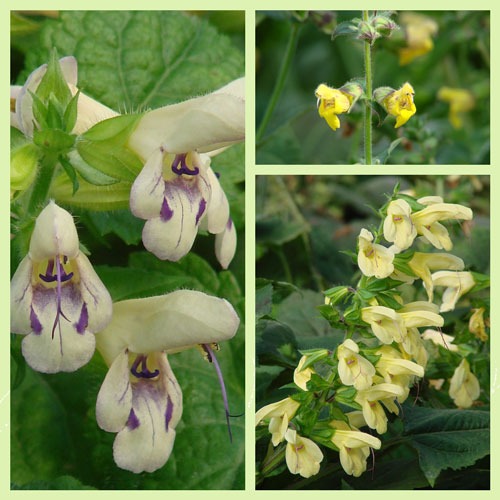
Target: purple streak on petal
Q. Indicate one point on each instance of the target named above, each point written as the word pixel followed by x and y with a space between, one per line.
pixel 83 320
pixel 133 421
pixel 36 326
pixel 169 411
pixel 201 210
pixel 183 168
pixel 229 223
pixel 166 212
pixel 213 359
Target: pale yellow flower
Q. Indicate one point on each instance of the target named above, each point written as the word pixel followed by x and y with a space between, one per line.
pixel 303 456
pixel 457 283
pixel 374 259
pixel 354 369
pixel 373 412
pixel 419 30
pixel 354 447
pixel 460 100
pixel 386 324
pixel 279 415
pixel 427 220
pixel 477 325
pixel 302 376
pixel 422 264
pixel 464 386
pixel 398 226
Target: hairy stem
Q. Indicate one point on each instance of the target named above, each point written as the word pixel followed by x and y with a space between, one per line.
pixel 369 91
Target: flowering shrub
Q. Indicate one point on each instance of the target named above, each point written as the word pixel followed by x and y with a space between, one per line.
pixel 395 357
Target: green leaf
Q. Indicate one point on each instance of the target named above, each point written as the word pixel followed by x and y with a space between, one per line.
pixel 71 173
pixel 135 60
pixel 447 438
pixel 90 174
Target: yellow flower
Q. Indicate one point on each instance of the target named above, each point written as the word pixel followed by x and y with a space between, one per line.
pixel 400 104
pixel 354 447
pixel 302 376
pixel 419 30
pixel 303 455
pixel 374 259
pixel 332 102
pixel 279 414
pixel 460 100
pixel 398 226
pixel 354 369
pixel 476 324
pixel 464 386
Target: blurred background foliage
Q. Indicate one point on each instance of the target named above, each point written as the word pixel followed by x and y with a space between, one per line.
pixel 460 58
pixel 306 232
pixel 55 440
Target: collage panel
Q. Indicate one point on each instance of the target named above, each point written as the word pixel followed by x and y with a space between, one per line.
pixel 372 332
pixel 127 206
pixel 345 87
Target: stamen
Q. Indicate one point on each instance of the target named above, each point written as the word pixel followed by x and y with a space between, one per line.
pixel 183 168
pixel 213 359
pixel 49 277
pixel 144 372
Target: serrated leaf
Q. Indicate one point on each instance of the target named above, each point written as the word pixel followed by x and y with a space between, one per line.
pixel 447 438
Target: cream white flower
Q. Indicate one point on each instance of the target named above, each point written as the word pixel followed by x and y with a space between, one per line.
pixel 177 192
pixel 57 300
pixel 374 259
pixel 140 398
pixel 90 111
pixel 303 456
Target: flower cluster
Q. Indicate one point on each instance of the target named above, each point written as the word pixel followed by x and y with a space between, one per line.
pixel 370 374
pixel 58 302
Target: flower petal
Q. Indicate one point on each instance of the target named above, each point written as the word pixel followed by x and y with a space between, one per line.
pixel 147 440
pixel 54 234
pixel 171 234
pixel 225 245
pixel 21 296
pixel 114 400
pixel 171 323
pixel 203 124
pixel 146 195
pixel 94 294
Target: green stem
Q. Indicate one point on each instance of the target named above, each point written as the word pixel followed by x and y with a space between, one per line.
pixel 41 187
pixel 369 91
pixel 280 81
